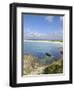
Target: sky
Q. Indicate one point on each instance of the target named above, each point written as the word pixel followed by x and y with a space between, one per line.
pixel 42 27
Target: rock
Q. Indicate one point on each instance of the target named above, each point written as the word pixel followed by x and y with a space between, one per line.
pixel 48 54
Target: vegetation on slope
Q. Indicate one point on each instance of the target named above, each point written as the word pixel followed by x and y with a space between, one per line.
pixel 33 66
pixel 30 63
pixel 55 67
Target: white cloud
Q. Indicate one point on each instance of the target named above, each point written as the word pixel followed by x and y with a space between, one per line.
pixel 61 18
pixel 49 18
pixel 50 36
pixel 31 35
pixel 36 34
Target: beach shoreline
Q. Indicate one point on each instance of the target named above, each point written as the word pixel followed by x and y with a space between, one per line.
pixel 44 41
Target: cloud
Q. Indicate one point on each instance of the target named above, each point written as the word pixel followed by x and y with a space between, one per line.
pixel 49 36
pixel 36 34
pixel 49 18
pixel 32 35
pixel 55 35
pixel 61 18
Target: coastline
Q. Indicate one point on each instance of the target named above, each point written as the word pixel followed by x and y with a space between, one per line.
pixel 33 66
pixel 57 42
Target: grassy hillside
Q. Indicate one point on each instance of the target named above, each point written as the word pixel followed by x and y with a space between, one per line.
pixel 55 67
pixel 31 65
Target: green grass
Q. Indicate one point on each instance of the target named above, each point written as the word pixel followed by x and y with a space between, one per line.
pixel 31 64
pixel 56 67
pixel 57 40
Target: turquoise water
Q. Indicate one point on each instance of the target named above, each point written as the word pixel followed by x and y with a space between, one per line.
pixel 39 49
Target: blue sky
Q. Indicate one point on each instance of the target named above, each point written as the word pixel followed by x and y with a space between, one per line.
pixel 44 27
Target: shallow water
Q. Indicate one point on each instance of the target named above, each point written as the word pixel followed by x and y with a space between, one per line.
pixel 39 49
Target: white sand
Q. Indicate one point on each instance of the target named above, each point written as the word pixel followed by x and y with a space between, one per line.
pixel 56 42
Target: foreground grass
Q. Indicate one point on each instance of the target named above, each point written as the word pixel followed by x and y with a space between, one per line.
pixel 32 66
pixel 55 67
